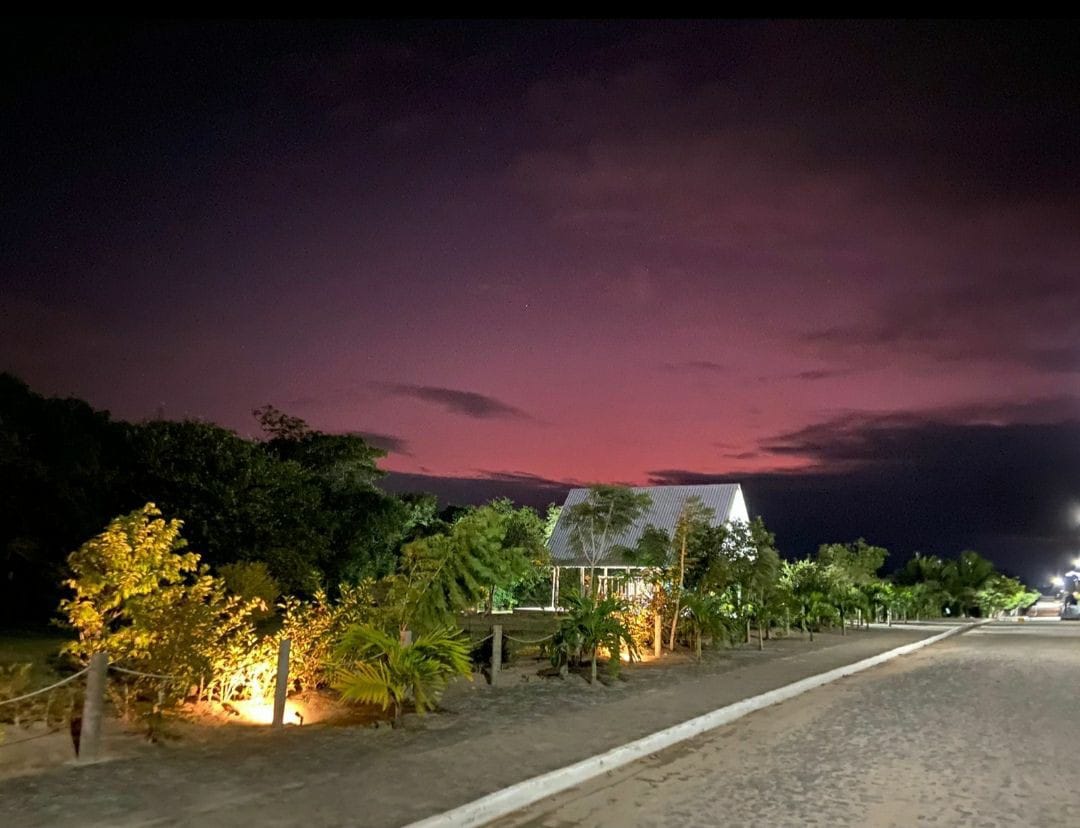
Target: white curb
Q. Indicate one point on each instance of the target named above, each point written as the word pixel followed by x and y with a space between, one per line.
pixel 517 796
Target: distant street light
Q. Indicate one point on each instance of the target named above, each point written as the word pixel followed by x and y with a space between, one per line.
pixel 1057 581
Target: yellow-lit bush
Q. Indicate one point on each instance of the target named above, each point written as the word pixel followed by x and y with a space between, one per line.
pixel 140 597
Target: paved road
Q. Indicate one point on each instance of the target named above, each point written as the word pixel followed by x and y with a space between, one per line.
pixel 980 730
pixel 487 739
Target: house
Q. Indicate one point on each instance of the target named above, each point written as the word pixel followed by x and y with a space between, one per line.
pixel 569 567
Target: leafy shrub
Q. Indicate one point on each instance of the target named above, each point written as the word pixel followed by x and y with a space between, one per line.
pixel 252 581
pixel 592 623
pixel 315 627
pixel 377 668
pixel 140 597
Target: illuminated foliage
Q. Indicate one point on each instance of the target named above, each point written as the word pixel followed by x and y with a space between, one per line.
pixel 592 623
pixel 315 627
pixel 694 518
pixel 377 668
pixel 444 574
pixel 252 580
pixel 151 605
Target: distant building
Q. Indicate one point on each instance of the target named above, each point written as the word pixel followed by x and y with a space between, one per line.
pixel 568 566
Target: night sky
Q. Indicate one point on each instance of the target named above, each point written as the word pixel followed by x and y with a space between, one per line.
pixel 835 262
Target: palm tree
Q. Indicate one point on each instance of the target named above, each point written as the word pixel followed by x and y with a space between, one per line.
pixel 592 623
pixel 806 583
pixel 705 614
pixel 377 668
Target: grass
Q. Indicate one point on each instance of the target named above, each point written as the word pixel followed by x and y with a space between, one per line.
pixel 38 648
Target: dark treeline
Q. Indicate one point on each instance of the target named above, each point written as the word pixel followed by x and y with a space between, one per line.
pixel 304 502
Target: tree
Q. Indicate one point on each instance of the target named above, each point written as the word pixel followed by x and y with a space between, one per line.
pixel 739 561
pixel 880 597
pixel 444 574
pixel 151 605
pixel 706 614
pixel 923 576
pixel 805 581
pixel 964 577
pixel 596 523
pixel 1000 593
pixel 590 623
pixel 278 425
pixel 526 535
pixel 850 568
pixel 693 518
pixel 763 585
pixel 61 471
pixel 377 668
pixel 237 501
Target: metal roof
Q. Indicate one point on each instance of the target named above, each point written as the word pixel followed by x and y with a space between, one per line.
pixel 663 513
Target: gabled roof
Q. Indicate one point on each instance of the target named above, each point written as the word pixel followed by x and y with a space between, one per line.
pixel 725 499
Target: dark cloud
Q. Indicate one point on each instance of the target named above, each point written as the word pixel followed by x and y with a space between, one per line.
pixel 523 488
pixel 1008 490
pixel 822 374
pixel 456 401
pixel 859 437
pixel 703 365
pixel 743 455
pixel 390 443
pixel 1027 318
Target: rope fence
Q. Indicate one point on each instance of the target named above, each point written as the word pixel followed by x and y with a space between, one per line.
pixel 140 674
pixel 88 735
pixel 50 688
pixel 530 641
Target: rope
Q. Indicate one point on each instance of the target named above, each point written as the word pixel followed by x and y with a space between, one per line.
pixel 482 640
pixel 143 675
pixel 47 733
pixel 60 683
pixel 523 641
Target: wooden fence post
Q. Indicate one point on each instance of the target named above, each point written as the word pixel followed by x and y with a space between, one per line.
pixel 89 747
pixel 657 635
pixel 281 687
pixel 496 653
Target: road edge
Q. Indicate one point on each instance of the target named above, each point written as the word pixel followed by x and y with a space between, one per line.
pixel 522 794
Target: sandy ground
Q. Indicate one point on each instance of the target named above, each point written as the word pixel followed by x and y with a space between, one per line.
pixel 980 730
pixel 485 739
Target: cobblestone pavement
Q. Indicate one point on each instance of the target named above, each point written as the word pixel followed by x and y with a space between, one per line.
pixel 487 738
pixel 979 730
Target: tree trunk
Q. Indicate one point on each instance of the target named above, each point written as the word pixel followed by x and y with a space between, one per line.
pixel 760 640
pixel 763 618
pixel 746 640
pixel 678 595
pixel 843 626
pixel 594 666
pixel 697 645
